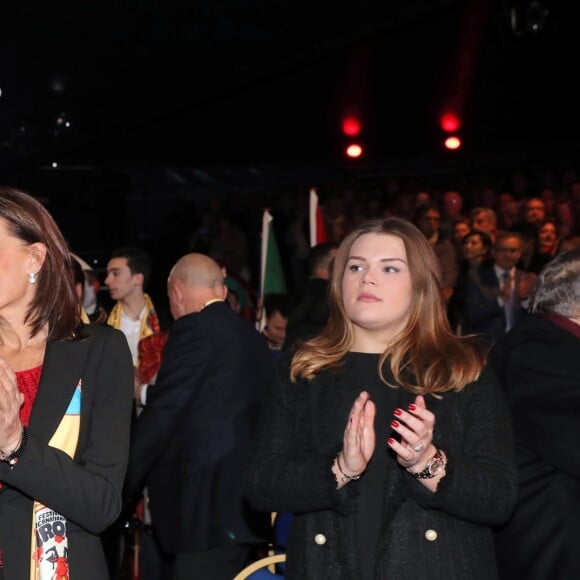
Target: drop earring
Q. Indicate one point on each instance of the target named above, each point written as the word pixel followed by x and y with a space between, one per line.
pixel 32 277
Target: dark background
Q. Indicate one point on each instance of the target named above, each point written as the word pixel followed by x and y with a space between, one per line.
pixel 152 110
pixel 267 81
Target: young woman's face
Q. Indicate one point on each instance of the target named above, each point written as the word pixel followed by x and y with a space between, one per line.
pixel 376 285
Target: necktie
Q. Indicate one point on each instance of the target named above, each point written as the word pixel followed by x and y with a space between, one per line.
pixel 510 302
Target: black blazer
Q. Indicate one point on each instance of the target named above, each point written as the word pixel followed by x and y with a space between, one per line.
pixel 86 489
pixel 193 439
pixel 538 364
pixel 300 434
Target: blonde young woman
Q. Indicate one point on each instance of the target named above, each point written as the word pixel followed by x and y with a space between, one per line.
pixel 385 435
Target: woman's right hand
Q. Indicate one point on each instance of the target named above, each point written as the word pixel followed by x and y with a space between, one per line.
pixel 359 437
pixel 11 399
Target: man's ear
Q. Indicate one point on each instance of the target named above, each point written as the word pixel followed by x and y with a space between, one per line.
pixel 37 253
pixel 225 292
pixel 139 279
pixel 178 292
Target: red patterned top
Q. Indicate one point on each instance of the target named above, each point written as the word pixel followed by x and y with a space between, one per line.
pixel 28 385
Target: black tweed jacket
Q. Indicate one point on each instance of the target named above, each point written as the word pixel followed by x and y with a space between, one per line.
pixel 425 535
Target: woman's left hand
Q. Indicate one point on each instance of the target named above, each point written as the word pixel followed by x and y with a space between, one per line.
pixel 416 429
pixel 11 399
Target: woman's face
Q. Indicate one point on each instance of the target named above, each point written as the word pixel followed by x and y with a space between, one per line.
pixel 547 234
pixel 473 248
pixel 377 288
pixel 16 263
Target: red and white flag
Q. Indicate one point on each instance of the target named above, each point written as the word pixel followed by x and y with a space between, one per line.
pixel 317 227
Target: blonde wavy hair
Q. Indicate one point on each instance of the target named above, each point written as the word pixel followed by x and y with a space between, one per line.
pixel 426 357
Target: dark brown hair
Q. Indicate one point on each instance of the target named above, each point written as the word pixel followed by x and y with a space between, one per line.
pixel 56 303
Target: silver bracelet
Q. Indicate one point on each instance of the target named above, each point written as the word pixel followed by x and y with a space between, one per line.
pixel 344 477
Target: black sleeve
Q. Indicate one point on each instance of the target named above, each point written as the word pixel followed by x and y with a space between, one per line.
pixel 86 489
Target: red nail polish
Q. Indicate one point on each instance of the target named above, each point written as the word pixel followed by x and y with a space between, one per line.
pixel 390 440
pixel 394 423
pixel 398 412
pixel 412 407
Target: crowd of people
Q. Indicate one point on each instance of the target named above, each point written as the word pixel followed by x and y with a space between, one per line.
pixel 411 400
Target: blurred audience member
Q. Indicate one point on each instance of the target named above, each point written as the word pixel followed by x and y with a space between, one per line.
pixel 277 308
pixel 427 219
pixel 484 219
pixel 508 211
pixel 534 212
pixel 565 218
pixel 548 237
pixel 460 229
pixel 311 314
pixel 476 252
pixel 496 301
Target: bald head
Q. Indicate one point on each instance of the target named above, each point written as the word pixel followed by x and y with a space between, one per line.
pixel 197 270
pixel 194 280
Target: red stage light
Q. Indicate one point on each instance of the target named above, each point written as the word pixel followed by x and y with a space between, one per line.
pixel 354 151
pixel 453 143
pixel 351 126
pixel 449 122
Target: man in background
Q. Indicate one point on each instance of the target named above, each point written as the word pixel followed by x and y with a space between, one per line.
pixel 128 272
pixel 499 298
pixel 193 439
pixel 277 308
pixel 311 314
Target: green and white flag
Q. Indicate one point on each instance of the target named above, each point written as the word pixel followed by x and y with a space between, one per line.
pixel 271 272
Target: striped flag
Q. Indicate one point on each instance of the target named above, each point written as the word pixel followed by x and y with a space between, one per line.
pixel 317 227
pixel 271 271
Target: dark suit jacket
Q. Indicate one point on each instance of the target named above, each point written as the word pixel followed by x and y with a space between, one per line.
pixel 300 434
pixel 86 489
pixel 193 439
pixel 538 364
pixel 484 315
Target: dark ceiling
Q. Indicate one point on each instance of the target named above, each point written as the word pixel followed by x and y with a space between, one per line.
pixel 226 81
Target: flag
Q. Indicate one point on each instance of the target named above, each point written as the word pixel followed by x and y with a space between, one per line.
pixel 271 272
pixel 317 227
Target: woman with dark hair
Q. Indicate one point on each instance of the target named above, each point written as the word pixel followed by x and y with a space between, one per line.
pixel 538 365
pixel 385 435
pixel 546 246
pixel 476 252
pixel 65 407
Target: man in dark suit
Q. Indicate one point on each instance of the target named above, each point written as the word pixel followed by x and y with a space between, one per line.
pixel 497 299
pixel 539 368
pixel 193 439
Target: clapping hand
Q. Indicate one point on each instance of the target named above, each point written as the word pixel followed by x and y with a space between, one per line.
pixel 359 437
pixel 415 426
pixel 11 399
